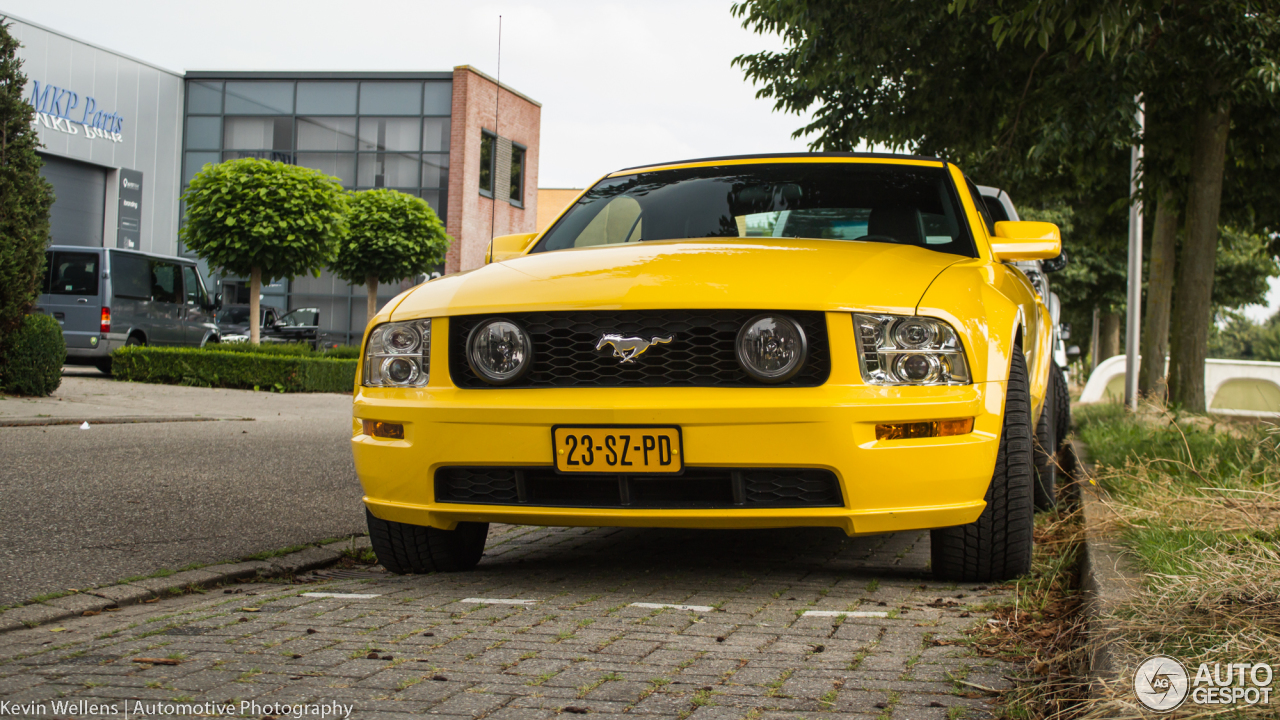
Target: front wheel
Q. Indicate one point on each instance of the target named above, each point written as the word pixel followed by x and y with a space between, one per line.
pixel 412 549
pixel 997 546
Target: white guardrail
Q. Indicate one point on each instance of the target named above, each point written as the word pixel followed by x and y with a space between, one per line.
pixel 1231 387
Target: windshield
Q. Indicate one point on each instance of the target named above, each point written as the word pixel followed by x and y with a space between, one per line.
pixel 302 317
pixel 899 204
pixel 234 315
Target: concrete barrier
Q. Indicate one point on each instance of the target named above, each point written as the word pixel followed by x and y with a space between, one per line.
pixel 1246 388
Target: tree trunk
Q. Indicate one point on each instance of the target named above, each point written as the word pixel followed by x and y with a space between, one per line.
pixel 371 308
pixel 1110 336
pixel 1155 329
pixel 1193 304
pixel 255 305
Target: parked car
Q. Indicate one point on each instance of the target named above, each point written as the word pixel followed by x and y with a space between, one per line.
pixel 1001 208
pixel 106 298
pixel 828 339
pixel 299 325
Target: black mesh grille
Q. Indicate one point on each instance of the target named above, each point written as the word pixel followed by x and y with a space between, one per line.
pixel 694 488
pixel 700 355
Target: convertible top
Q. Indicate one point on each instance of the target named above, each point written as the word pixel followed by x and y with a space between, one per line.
pixel 778 156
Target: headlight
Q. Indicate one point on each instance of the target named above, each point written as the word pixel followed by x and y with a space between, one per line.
pixel 398 355
pixel 897 350
pixel 771 348
pixel 499 351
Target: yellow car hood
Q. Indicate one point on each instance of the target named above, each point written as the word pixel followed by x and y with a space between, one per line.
pixel 830 275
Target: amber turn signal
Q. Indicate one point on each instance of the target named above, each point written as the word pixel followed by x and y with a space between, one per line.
pixel 933 428
pixel 377 428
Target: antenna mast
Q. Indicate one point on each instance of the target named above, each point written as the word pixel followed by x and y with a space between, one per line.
pixel 497 105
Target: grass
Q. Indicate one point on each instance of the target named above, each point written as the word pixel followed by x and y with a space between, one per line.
pixel 1196 502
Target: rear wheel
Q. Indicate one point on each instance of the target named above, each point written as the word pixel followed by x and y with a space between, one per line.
pixel 1046 455
pixel 1062 419
pixel 997 546
pixel 412 549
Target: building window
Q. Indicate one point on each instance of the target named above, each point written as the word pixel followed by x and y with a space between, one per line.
pixel 488 164
pixel 517 174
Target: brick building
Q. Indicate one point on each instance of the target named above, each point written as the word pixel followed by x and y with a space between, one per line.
pixel 123 138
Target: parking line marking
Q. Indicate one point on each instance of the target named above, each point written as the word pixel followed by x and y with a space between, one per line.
pixel 846 613
pixel 498 601
pixel 342 596
pixel 659 606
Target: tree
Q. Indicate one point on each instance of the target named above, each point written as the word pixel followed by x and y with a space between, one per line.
pixel 1228 56
pixel 392 236
pixel 263 219
pixel 25 197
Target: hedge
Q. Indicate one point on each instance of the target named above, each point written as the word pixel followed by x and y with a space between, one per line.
pixel 31 361
pixel 346 352
pixel 212 367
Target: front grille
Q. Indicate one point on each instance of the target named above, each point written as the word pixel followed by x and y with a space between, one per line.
pixel 700 355
pixel 694 488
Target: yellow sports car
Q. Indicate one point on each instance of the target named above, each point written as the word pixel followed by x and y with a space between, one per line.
pixel 828 339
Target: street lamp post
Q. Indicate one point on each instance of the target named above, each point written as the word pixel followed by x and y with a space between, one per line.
pixel 1133 316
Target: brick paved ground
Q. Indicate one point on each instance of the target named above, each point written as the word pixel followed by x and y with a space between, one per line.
pixel 579 647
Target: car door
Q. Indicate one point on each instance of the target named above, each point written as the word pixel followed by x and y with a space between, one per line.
pixel 166 303
pixel 198 319
pixel 73 294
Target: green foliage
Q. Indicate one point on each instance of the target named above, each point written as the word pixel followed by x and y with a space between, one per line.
pixel 1236 337
pixel 1242 269
pixel 283 220
pixel 25 197
pixel 214 368
pixel 392 236
pixel 33 357
pixel 344 352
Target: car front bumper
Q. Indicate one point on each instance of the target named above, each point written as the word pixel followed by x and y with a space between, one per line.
pixel 887 485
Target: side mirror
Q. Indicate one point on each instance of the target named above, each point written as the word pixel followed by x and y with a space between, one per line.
pixel 1053 265
pixel 1026 240
pixel 505 247
pixel 1073 352
pixel 1064 331
pixel 217 301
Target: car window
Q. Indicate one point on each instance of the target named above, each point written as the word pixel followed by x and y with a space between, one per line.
pixel 194 288
pixel 234 315
pixel 301 317
pixel 74 273
pixel 981 206
pixel 130 276
pixel 995 208
pixel 164 282
pixel 909 205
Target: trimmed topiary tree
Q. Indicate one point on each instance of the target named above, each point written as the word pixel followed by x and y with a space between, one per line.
pixel 392 236
pixel 263 219
pixel 33 357
pixel 25 200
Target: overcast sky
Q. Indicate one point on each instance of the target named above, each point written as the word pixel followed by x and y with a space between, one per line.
pixel 621 83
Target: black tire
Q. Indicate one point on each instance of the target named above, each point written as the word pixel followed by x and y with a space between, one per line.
pixel 412 549
pixel 997 546
pixel 104 365
pixel 1045 491
pixel 1067 461
pixel 134 340
pixel 1061 404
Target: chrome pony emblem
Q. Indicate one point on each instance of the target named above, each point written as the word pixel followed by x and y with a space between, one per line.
pixel 628 348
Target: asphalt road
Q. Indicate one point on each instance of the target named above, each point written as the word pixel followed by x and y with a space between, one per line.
pixel 87 507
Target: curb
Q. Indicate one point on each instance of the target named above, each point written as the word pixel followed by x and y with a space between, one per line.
pixel 1107 580
pixel 131 593
pixel 112 420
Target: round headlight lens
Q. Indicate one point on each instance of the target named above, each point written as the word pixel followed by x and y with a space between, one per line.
pixel 917 368
pixel 914 333
pixel 402 340
pixel 771 348
pixel 401 371
pixel 499 351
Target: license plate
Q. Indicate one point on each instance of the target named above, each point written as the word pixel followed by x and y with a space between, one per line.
pixel 618 449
